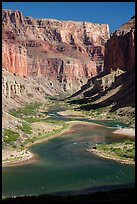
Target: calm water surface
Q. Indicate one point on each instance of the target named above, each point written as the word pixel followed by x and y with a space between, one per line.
pixel 65 164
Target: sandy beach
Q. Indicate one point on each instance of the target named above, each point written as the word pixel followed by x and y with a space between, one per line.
pixel 71 113
pixel 125 131
pixel 22 157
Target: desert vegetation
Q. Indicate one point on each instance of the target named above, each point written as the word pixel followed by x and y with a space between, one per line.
pixel 121 151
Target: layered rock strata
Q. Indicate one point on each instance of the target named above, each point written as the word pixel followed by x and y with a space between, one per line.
pixel 66 53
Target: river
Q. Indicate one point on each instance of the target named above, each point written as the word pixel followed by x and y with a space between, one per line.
pixel 65 165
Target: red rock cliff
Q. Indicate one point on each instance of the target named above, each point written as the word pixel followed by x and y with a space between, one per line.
pixel 67 53
pixel 120 48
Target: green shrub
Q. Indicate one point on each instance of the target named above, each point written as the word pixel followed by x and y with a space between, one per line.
pixel 32 119
pixel 10 136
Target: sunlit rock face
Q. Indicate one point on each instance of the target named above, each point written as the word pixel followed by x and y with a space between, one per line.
pixel 120 48
pixel 66 53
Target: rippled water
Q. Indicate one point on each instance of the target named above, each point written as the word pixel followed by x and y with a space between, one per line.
pixel 65 164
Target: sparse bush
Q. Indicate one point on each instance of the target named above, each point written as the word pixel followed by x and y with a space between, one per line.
pixel 26 128
pixel 27 110
pixel 127 149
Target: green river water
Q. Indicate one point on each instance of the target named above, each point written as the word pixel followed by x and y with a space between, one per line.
pixel 65 165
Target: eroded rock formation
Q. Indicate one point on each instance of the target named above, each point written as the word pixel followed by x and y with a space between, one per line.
pixel 10 89
pixel 120 48
pixel 67 53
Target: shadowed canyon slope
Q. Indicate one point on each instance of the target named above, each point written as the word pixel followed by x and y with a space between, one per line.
pixel 66 53
pixel 115 86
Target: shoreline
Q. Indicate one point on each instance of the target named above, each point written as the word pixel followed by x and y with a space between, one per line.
pixel 24 160
pixel 30 157
pixel 106 156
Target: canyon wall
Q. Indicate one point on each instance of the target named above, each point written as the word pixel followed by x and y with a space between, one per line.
pixel 114 88
pixel 120 48
pixel 66 53
pixel 119 59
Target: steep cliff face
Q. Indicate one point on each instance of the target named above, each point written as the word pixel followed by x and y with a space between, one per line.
pixel 67 53
pixel 120 48
pixel 114 88
pixel 14 58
